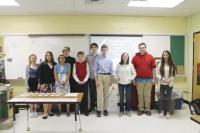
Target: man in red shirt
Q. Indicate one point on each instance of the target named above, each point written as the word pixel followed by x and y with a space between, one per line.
pixel 144 64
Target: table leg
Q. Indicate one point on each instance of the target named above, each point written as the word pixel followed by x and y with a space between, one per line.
pixel 75 113
pixel 79 113
pixel 14 119
pixel 28 128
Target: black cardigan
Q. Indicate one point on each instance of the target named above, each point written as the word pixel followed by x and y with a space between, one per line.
pixel 46 74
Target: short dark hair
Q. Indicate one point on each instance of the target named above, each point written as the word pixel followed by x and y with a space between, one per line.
pixel 80 53
pixel 104 46
pixel 66 48
pixel 93 44
pixel 144 44
pixel 61 55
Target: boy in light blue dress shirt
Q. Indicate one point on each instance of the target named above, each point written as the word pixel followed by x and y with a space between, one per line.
pixel 103 72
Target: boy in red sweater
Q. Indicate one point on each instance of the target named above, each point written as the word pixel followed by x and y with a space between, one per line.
pixel 81 74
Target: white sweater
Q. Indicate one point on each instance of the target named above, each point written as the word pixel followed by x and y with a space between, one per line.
pixel 125 73
pixel 166 75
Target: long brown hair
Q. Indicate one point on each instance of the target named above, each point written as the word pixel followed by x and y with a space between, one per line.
pixel 172 66
pixel 52 58
pixel 122 61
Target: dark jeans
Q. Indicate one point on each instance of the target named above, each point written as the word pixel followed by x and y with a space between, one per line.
pixel 165 97
pixel 93 93
pixel 125 89
pixel 84 103
pixel 72 83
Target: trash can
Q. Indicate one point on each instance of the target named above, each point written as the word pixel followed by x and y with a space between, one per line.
pixel 3 105
pixel 178 103
pixel 179 100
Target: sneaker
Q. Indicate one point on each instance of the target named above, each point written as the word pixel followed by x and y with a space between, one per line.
pixel 148 113
pixel 139 112
pixel 51 114
pixel 86 113
pixel 58 114
pixel 98 113
pixel 105 113
pixel 121 114
pixel 44 117
pixel 161 114
pixel 92 110
pixel 35 114
pixel 68 114
pixel 128 113
pixel 168 116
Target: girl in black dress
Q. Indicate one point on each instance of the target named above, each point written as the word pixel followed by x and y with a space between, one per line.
pixel 47 81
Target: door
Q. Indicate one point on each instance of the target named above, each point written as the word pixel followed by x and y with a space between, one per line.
pixel 196 66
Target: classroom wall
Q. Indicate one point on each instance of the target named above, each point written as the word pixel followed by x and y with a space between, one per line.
pixel 92 24
pixel 1 41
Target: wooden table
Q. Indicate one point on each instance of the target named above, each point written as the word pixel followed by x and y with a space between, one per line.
pixel 47 98
pixel 196 118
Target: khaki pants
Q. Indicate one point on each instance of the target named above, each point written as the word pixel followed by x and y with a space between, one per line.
pixel 144 95
pixel 102 92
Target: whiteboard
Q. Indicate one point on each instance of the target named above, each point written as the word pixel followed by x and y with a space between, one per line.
pixel 117 45
pixel 18 48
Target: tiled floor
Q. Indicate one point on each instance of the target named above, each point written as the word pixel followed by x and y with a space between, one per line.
pixel 179 123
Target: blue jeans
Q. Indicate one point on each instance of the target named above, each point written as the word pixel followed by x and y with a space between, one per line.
pixel 125 89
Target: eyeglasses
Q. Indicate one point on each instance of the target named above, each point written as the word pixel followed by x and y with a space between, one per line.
pixel 142 47
pixel 94 47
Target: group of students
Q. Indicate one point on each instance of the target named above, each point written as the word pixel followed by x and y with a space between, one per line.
pixel 95 72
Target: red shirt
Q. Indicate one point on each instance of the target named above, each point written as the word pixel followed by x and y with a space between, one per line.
pixel 144 65
pixel 81 70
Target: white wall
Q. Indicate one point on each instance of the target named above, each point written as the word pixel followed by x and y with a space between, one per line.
pixel 18 48
pixel 117 45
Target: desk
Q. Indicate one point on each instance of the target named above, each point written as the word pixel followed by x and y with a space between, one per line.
pixel 196 118
pixel 47 98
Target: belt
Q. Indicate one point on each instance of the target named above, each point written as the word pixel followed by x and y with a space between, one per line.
pixel 105 73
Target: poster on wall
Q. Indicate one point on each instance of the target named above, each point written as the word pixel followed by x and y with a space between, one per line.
pixel 198 74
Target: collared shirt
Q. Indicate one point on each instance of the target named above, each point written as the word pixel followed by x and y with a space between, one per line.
pixel 81 71
pixel 144 65
pixel 62 71
pixel 90 58
pixel 103 65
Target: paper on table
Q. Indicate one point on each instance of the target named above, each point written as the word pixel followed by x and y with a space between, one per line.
pixel 72 94
pixel 24 94
pixel 27 100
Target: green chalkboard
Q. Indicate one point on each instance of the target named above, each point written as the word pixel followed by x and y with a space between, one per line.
pixel 177 48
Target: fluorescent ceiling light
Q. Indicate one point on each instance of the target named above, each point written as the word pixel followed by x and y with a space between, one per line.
pixel 155 3
pixel 8 3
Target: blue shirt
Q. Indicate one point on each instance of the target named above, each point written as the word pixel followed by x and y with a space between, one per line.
pixel 103 64
pixel 62 71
